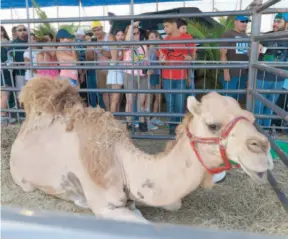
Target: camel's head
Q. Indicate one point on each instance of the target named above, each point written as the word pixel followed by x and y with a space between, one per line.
pixel 221 118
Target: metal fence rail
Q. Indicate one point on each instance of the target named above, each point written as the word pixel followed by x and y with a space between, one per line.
pixel 27 224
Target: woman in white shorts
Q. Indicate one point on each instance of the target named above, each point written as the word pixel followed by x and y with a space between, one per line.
pixel 115 78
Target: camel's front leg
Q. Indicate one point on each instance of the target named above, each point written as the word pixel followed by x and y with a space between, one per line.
pixel 110 203
pixel 74 190
pixel 124 214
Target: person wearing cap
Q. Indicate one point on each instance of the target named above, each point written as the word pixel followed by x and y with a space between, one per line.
pixel 67 54
pixel 103 54
pixel 280 22
pixel 269 81
pixel 233 78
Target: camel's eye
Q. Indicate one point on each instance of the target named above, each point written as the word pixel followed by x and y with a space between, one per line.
pixel 214 127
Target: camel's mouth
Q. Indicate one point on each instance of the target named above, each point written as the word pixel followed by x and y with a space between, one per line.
pixel 257 177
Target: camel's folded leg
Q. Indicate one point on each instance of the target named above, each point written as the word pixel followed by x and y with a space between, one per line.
pixel 110 203
pixel 73 187
pixel 18 178
pixel 174 206
pixel 124 214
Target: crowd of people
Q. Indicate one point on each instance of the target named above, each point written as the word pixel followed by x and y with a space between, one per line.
pixel 164 54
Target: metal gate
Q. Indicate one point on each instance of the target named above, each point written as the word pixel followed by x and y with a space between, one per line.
pixel 255 10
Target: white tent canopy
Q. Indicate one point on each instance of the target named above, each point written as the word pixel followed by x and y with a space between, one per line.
pixel 204 5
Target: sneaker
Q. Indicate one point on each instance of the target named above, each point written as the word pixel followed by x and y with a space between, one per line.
pixel 157 122
pixel 143 127
pixel 172 132
pixel 152 126
pixel 7 120
pixel 219 177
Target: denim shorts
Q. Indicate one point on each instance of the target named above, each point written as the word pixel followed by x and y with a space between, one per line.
pixel 154 80
pixel 73 82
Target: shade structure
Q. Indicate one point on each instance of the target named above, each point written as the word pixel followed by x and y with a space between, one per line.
pixel 85 3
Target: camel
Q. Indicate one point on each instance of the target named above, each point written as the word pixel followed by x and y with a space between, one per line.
pixel 86 156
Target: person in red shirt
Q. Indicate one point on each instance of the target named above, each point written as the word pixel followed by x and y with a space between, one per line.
pixel 173 54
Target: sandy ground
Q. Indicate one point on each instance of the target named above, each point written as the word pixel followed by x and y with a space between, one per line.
pixel 235 204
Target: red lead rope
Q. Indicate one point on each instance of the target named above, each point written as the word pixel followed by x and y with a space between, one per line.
pixel 215 140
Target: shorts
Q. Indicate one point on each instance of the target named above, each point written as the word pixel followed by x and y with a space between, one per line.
pixel 154 80
pixel 72 82
pixel 139 82
pixel 101 79
pixel 115 77
pixel 20 83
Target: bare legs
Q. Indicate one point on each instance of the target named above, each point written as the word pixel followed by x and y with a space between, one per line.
pixel 115 99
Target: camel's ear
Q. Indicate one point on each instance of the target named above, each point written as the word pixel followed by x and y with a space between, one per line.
pixel 193 105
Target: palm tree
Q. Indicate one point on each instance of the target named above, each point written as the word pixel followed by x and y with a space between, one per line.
pixel 43 28
pixel 201 31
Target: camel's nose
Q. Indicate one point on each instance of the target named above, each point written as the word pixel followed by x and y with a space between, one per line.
pixel 257 145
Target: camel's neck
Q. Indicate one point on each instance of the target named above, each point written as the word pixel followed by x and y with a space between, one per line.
pixel 164 178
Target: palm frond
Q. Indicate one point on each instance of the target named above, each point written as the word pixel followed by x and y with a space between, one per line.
pixel 201 31
pixel 71 28
pixel 43 28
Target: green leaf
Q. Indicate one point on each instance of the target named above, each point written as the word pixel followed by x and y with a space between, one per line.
pixel 43 28
pixel 201 31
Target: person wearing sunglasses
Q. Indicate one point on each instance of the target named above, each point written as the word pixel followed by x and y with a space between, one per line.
pixel 17 53
pixel 233 79
pixel 104 54
pixel 271 51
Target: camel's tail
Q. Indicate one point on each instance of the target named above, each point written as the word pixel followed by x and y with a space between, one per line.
pixel 42 94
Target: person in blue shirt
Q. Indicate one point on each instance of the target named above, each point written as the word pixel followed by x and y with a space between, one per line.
pixel 267 80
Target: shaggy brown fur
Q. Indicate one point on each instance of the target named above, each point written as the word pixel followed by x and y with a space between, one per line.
pixel 98 131
pixel 42 94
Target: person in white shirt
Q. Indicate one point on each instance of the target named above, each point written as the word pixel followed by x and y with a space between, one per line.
pixel 31 73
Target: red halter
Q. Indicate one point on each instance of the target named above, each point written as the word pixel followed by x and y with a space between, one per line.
pixel 215 140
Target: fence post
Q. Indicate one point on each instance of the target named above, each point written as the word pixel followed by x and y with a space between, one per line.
pixel 255 31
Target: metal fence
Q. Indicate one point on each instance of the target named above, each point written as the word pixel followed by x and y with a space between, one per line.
pixel 27 224
pixel 251 92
